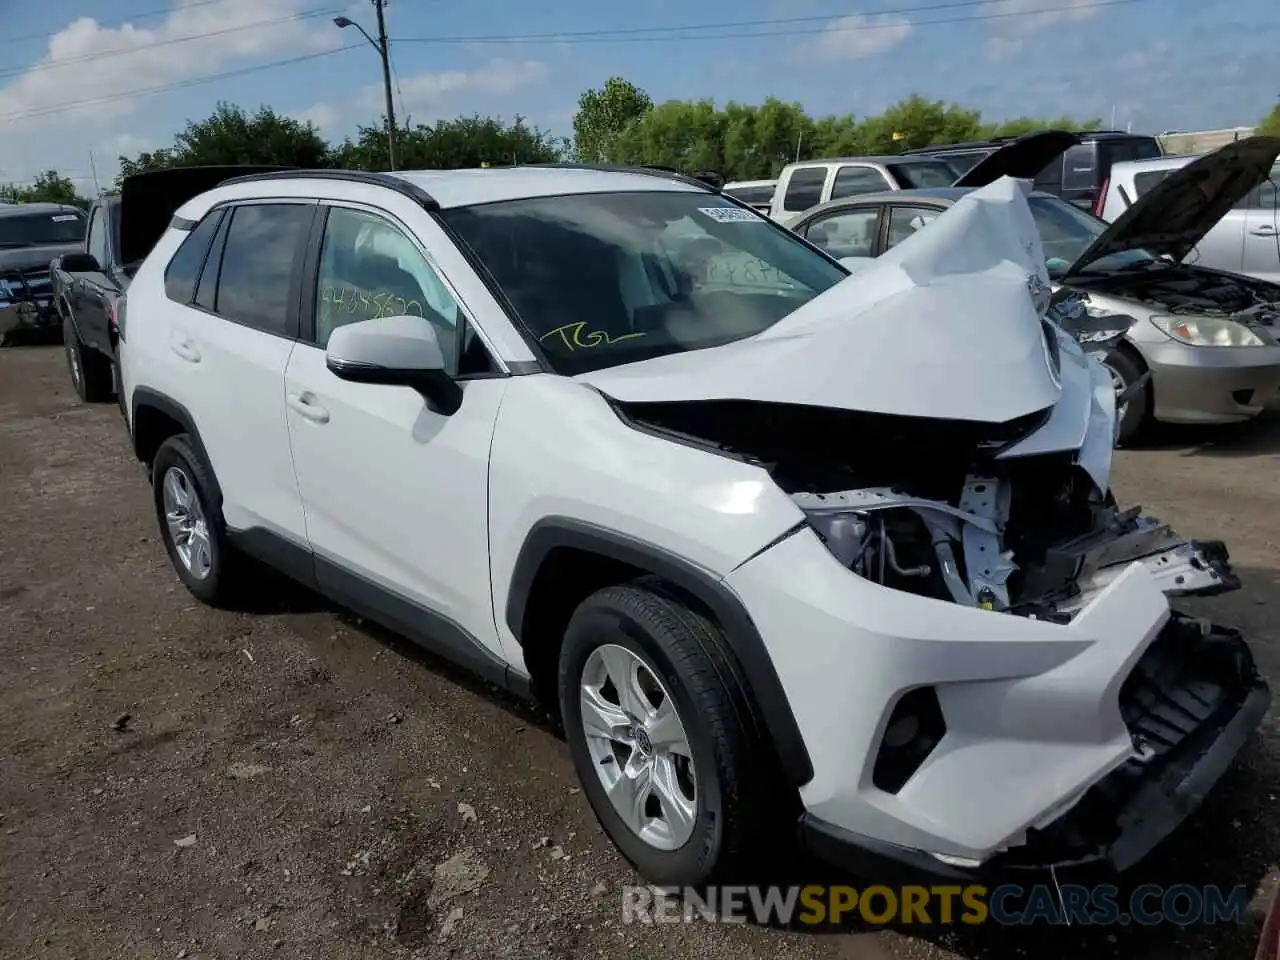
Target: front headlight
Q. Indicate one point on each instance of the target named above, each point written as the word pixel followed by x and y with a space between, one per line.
pixel 1208 332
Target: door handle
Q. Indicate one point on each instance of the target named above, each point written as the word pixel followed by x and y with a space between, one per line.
pixel 1263 230
pixel 303 403
pixel 186 350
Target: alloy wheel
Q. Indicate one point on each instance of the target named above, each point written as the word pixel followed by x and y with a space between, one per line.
pixel 638 746
pixel 186 522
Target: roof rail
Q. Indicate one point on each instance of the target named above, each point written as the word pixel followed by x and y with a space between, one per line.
pixel 369 177
pixel 647 169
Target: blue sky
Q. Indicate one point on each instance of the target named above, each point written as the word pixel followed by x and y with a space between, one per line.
pixel 70 70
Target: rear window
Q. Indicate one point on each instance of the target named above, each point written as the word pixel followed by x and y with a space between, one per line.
pixel 915 176
pixel 1079 168
pixel 35 229
pixel 962 163
pixel 753 195
pixel 1139 148
pixel 804 189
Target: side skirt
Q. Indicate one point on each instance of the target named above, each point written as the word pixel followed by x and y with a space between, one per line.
pixel 423 626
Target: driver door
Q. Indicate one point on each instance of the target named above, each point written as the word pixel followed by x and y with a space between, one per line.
pixel 395 493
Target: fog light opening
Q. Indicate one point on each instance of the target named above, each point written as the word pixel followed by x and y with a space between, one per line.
pixel 914 729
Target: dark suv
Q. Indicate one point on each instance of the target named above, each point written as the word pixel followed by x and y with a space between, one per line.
pixel 1079 175
pixel 31 235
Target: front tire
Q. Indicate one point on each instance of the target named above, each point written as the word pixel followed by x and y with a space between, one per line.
pixel 90 371
pixel 662 740
pixel 1132 419
pixel 191 524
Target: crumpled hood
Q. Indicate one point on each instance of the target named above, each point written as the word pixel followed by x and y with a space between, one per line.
pixel 943 326
pixel 1175 214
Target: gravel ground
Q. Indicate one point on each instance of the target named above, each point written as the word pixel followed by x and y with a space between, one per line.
pixel 293 783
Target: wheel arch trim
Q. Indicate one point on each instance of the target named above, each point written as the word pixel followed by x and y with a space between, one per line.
pixel 147 397
pixel 766 695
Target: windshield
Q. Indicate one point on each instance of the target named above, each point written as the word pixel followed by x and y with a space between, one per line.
pixel 610 278
pixel 916 176
pixel 33 229
pixel 1066 232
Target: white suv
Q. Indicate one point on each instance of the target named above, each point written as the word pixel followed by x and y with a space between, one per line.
pixel 775 543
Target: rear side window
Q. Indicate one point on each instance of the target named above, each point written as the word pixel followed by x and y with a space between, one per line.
pixel 914 176
pixel 853 181
pixel 962 163
pixel 183 271
pixel 804 189
pixel 207 291
pixel 264 243
pixel 1142 182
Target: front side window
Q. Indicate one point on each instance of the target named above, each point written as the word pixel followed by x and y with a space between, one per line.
pixel 918 176
pixel 184 269
pixel 38 229
pixel 905 221
pixel 849 233
pixel 604 279
pixel 1066 232
pixel 369 269
pixel 804 189
pixel 264 242
pixel 851 181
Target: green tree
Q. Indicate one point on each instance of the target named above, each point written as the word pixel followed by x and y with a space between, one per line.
pixel 603 117
pixel 1270 124
pixel 232 136
pixel 685 134
pixel 449 145
pixel 49 187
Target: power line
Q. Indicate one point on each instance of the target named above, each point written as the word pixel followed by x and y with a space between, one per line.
pixel 121 51
pixel 144 15
pixel 627 35
pixel 165 88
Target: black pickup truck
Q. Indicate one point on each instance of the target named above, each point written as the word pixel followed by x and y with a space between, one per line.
pixel 89 284
pixel 32 234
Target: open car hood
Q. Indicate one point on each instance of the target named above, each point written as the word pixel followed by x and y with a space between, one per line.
pixel 1175 214
pixel 946 325
pixel 149 200
pixel 1022 158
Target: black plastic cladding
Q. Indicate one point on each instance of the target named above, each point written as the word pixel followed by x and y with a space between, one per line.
pixel 388 180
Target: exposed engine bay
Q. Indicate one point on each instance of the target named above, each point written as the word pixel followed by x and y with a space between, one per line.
pixel 1194 290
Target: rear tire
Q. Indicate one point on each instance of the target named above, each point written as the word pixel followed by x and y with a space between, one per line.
pixel 90 371
pixel 1132 421
pixel 701 796
pixel 191 524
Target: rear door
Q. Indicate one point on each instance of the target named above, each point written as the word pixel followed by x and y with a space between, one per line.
pixel 1260 226
pixel 230 337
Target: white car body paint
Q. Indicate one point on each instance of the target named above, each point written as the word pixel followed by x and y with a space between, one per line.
pixel 437 508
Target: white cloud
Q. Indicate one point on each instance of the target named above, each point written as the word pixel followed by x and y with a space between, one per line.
pixel 1013 20
pixel 426 97
pixel 859 36
pixel 61 103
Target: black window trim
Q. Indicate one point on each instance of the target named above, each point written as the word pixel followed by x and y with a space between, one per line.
pixel 311 282
pixel 295 277
pixel 854 207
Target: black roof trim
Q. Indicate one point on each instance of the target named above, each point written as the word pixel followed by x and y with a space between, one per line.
pixel 371 178
pixel 648 169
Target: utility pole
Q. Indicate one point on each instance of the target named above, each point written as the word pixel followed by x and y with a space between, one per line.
pixel 383 49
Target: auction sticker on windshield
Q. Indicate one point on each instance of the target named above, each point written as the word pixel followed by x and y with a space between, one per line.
pixel 731 215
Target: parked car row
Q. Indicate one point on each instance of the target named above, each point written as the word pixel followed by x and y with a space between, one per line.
pixel 790 551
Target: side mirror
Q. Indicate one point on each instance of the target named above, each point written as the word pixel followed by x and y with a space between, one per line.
pixel 80 263
pixel 397 352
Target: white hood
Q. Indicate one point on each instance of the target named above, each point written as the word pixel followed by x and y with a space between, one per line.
pixel 942 326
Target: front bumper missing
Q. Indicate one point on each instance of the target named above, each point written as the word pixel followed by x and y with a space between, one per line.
pixel 1191 703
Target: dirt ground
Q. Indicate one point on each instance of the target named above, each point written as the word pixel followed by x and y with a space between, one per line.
pixel 291 783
